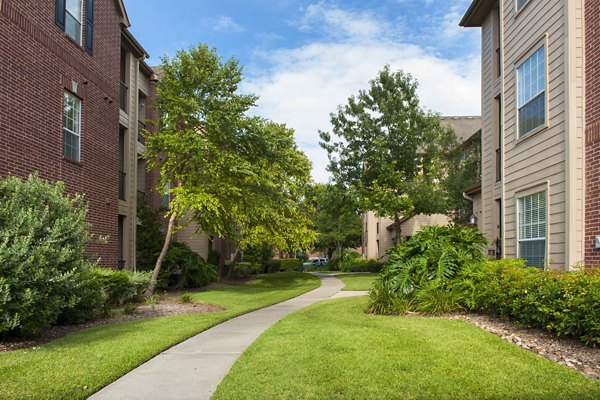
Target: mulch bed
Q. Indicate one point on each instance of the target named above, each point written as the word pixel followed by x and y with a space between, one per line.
pixel 167 305
pixel 567 351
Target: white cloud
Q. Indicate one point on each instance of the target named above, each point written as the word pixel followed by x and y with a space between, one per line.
pixel 305 84
pixel 227 24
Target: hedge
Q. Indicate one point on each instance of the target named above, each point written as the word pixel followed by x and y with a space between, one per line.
pixel 566 303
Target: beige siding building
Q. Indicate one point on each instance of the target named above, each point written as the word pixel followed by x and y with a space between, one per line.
pixel 532 135
pixel 379 234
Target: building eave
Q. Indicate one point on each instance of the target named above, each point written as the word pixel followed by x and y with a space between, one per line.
pixel 477 12
pixel 133 45
pixel 124 18
pixel 473 189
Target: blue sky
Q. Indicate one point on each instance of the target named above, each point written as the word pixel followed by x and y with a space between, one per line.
pixel 303 58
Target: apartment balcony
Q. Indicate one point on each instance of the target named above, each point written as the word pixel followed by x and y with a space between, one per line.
pixel 123 96
pixel 122 184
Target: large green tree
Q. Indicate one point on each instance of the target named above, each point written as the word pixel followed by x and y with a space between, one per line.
pixel 232 175
pixel 389 150
pixel 337 219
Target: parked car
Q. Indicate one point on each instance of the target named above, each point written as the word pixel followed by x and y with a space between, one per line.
pixel 317 262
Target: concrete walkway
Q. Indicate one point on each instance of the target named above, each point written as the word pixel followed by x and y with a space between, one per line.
pixel 194 368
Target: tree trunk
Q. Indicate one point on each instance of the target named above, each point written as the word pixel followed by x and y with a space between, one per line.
pixel 234 260
pixel 223 248
pixel 161 257
pixel 398 227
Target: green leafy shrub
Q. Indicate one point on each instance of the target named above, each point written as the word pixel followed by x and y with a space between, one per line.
pixel 149 236
pixel 423 270
pixel 185 298
pixel 187 268
pixel 129 308
pixel 213 257
pixel 290 264
pixel 566 303
pixel 384 301
pixel 272 266
pixel 43 234
pixel 121 286
pixel 363 265
pixel 88 301
pixel 244 269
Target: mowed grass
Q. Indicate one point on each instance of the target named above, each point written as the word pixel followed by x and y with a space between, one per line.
pixel 357 281
pixel 333 350
pixel 83 362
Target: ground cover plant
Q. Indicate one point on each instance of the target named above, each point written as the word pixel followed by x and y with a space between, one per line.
pixel 333 350
pixel 81 363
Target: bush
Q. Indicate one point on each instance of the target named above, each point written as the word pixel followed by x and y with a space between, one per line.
pixel 187 268
pixel 566 303
pixel 384 301
pixel 290 264
pixel 423 270
pixel 272 266
pixel 43 234
pixel 121 287
pixel 363 265
pixel 244 269
pixel 89 302
pixel 149 237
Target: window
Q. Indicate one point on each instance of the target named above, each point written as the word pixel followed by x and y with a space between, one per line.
pixel 166 197
pixel 69 18
pixel 72 127
pixel 531 87
pixel 532 229
pixel 73 17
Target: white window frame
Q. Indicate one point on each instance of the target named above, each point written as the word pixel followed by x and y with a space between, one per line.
pixel 77 124
pixel 522 6
pixel 543 194
pixel 80 20
pixel 533 51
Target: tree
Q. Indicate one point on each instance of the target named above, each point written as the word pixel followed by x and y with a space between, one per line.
pixel 201 112
pixel 337 220
pixel 389 150
pixel 234 176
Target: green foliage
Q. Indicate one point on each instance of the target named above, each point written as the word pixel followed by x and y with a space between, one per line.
pixel 464 171
pixel 121 287
pixel 150 238
pixel 337 220
pixel 189 266
pixel 273 266
pixel 43 234
pixel 383 300
pixel 244 269
pixel 90 301
pixel 433 257
pixel 424 269
pixel 388 150
pixel 290 264
pixel 185 298
pixel 565 303
pixel 258 254
pixel 129 308
pixel 354 263
pixel 153 301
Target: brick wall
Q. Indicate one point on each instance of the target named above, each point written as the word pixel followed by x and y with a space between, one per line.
pixel 37 63
pixel 592 131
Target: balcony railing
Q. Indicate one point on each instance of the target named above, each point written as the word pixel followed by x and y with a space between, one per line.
pixel 140 135
pixel 122 176
pixel 123 96
pixel 498 165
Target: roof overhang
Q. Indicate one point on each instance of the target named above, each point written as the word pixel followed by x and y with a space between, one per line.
pixel 477 12
pixel 133 45
pixel 473 189
pixel 393 226
pixel 124 18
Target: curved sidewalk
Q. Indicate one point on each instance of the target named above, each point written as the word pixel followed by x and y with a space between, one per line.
pixel 194 368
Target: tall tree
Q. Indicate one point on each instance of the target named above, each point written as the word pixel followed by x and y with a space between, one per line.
pixel 337 219
pixel 200 113
pixel 389 150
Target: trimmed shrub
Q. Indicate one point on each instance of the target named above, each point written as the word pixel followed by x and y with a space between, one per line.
pixel 244 269
pixel 186 268
pixel 290 264
pixel 272 266
pixel 566 303
pixel 121 287
pixel 88 302
pixel 363 265
pixel 43 234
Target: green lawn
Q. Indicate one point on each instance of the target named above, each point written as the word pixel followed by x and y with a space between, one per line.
pixel 357 281
pixel 81 363
pixel 333 350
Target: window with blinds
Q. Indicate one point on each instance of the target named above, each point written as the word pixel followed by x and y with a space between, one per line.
pixel 532 228
pixel 531 88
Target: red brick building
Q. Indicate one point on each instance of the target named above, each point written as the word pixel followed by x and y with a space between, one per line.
pixel 592 130
pixel 59 101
